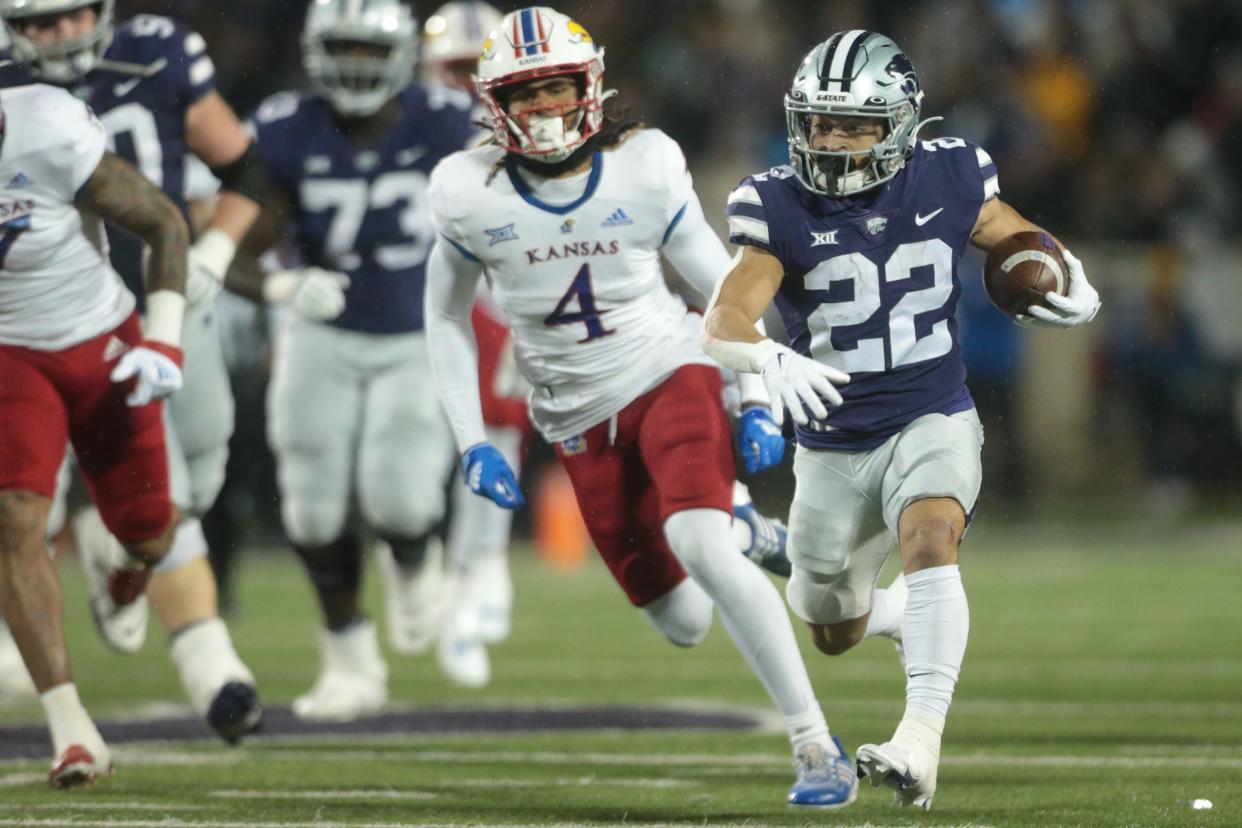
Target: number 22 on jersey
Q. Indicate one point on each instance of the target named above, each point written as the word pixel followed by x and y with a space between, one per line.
pixel 905 347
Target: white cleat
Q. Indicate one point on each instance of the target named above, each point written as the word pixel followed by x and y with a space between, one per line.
pixel 353 680
pixel 118 602
pixel 910 772
pixel 414 599
pixel 15 683
pixel 462 655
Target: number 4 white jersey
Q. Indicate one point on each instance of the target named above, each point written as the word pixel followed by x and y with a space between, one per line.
pixel 575 265
pixel 56 286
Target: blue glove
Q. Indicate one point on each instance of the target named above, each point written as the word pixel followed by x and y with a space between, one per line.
pixel 488 474
pixel 759 440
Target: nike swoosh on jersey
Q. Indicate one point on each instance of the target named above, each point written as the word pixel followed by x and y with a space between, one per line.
pixel 921 220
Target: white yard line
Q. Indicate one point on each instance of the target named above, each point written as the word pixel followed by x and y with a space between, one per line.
pixel 346 793
pixel 181 823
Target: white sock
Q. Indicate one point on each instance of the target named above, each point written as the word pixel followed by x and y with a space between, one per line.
pixel 206 661
pixel 887 609
pixel 68 720
pixel 749 605
pixel 809 728
pixel 934 631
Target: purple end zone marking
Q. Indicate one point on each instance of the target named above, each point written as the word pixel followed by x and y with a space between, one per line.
pixel 32 742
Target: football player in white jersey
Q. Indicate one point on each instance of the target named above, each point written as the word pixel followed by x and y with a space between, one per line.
pixel 567 215
pixel 153 87
pixel 894 453
pixel 75 366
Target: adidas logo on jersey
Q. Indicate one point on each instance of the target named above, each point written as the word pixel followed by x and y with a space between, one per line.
pixel 617 219
pixel 114 349
pixel 18 181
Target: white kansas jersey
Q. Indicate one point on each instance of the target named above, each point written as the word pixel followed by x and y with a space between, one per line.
pixel 575 266
pixel 56 286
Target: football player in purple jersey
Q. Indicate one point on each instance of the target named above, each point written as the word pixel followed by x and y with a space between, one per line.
pixel 353 419
pixel 152 85
pixel 857 241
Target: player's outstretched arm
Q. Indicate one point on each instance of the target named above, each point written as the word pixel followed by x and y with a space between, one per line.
pixel 118 193
pixel 997 220
pixel 452 279
pixel 794 382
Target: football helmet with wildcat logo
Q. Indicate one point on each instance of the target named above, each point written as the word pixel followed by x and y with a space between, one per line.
pixel 853 74
pixel 65 60
pixel 358 84
pixel 539 42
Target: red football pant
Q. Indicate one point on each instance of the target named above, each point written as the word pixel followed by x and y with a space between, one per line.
pixel 51 398
pixel 673 450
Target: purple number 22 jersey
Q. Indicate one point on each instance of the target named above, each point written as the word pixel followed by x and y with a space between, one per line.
pixel 871 284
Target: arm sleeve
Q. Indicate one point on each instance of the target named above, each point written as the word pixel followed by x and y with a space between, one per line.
pixel 695 249
pixel 452 280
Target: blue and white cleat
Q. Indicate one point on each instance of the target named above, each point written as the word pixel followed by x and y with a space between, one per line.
pixel 910 773
pixel 767 539
pixel 824 780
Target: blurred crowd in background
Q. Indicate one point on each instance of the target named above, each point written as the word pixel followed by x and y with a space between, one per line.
pixel 1117 124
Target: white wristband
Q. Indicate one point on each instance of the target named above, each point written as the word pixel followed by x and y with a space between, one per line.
pixel 216 250
pixel 745 357
pixel 165 309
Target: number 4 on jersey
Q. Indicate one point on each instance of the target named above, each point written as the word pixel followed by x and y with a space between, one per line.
pixel 580 289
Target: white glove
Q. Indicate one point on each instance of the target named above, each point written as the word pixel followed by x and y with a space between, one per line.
pixel 207 265
pixel 154 367
pixel 312 291
pixel 799 384
pixel 1078 307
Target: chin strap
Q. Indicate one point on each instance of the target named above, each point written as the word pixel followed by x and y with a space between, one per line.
pixel 914 133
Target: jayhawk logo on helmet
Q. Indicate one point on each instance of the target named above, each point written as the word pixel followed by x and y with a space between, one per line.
pixel 577 31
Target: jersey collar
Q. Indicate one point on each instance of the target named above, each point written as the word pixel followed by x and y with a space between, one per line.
pixel 523 189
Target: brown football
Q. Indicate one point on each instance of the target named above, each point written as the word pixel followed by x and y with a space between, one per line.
pixel 1020 269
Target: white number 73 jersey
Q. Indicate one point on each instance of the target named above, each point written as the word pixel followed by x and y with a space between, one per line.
pixel 575 266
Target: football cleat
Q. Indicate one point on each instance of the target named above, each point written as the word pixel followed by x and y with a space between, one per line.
pixel 464 660
pixel 15 680
pixel 118 582
pixel 235 712
pixel 767 540
pixel 413 598
pixel 78 766
pixel 824 780
pixel 353 680
pixel 911 773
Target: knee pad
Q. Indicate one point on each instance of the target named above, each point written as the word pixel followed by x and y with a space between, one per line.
pixel 312 521
pixel 139 519
pixel 336 565
pixel 814 597
pixel 411 553
pixel 189 543
pixel 683 616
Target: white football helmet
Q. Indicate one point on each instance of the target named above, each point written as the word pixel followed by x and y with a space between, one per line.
pixel 358 86
pixel 66 60
pixel 853 74
pixel 539 42
pixel 456 31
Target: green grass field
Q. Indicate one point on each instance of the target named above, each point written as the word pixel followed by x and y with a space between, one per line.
pixel 1102 687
